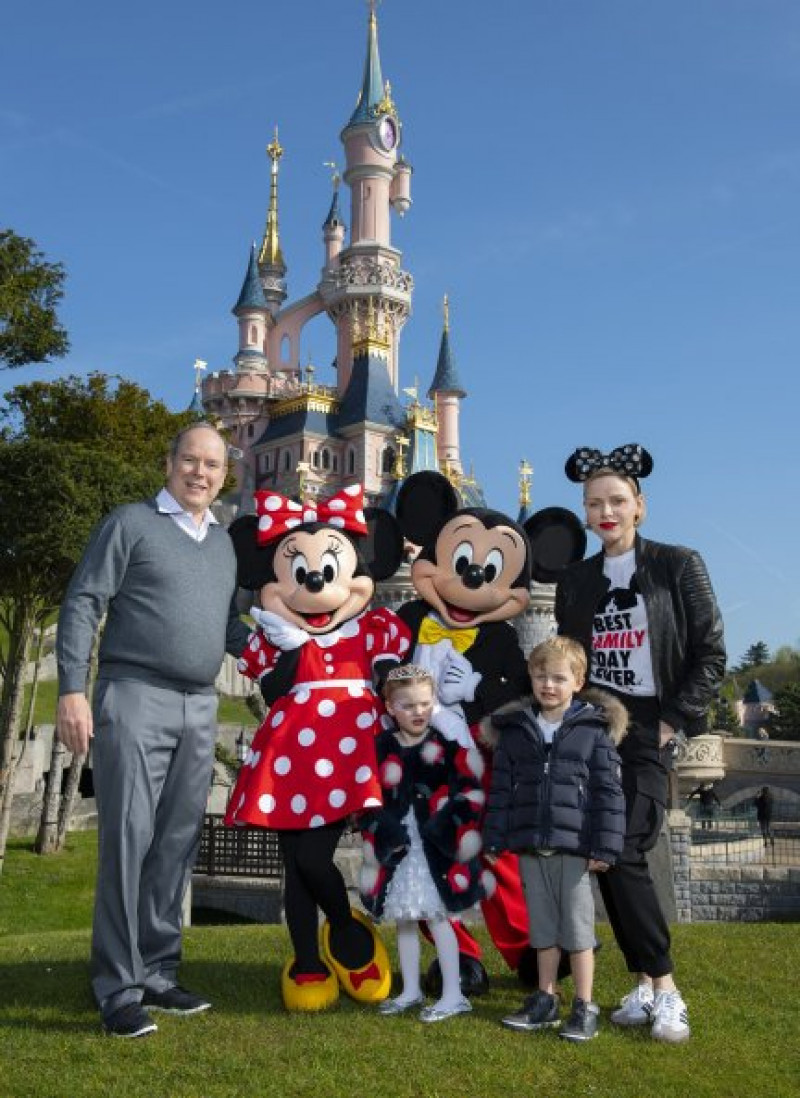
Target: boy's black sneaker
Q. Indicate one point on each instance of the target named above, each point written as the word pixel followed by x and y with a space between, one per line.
pixel 539 1011
pixel 582 1022
pixel 131 1020
pixel 175 1000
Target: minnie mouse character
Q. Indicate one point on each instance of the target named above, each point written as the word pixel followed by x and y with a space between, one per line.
pixel 316 652
pixel 473 575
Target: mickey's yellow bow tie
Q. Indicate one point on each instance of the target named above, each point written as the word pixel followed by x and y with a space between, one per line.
pixel 432 631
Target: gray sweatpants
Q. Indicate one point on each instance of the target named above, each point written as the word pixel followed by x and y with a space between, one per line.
pixel 153 753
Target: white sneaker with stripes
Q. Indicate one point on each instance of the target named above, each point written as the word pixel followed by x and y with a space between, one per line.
pixel 670 1018
pixel 636 1007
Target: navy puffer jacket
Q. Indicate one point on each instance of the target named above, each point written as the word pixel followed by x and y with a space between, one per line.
pixel 568 798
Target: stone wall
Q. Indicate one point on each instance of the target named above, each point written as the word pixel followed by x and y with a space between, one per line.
pixel 746 893
pixel 729 893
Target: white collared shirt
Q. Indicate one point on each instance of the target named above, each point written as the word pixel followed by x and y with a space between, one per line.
pixel 168 505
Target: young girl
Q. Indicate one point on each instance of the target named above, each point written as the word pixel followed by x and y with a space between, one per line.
pixel 420 849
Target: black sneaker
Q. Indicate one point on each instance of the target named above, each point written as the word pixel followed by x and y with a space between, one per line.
pixel 175 1000
pixel 539 1011
pixel 131 1020
pixel 582 1022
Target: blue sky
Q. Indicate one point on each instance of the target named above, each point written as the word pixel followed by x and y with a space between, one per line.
pixel 607 189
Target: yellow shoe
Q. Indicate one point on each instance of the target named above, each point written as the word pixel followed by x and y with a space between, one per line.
pixel 373 981
pixel 315 995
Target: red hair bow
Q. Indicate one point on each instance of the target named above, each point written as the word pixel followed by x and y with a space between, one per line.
pixel 278 515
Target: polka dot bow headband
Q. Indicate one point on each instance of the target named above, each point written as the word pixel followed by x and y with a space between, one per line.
pixel 631 460
pixel 278 515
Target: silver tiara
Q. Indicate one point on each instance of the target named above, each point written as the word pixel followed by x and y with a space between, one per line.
pixel 408 672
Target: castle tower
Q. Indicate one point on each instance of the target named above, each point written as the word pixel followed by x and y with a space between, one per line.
pixel 447 393
pixel 251 311
pixel 369 267
pixel 333 230
pixel 271 264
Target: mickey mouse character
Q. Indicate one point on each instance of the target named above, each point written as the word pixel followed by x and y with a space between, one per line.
pixel 473 575
pixel 316 653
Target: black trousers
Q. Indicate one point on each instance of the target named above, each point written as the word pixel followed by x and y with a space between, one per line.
pixel 628 891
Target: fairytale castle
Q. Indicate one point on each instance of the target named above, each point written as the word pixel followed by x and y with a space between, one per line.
pixel 301 437
pixel 294 433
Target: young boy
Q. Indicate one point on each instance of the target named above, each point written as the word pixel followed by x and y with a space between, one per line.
pixel 557 801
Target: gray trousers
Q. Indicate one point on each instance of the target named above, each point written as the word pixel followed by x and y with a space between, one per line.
pixel 153 754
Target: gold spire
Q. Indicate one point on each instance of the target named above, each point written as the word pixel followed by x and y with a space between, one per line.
pixel 446 310
pixel 525 478
pixel 387 104
pixel 402 444
pixel 271 254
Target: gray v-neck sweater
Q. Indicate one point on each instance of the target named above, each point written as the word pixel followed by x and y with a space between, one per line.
pixel 169 602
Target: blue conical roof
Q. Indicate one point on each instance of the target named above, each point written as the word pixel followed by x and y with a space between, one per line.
pixel 251 295
pixel 334 217
pixel 446 379
pixel 372 85
pixel 196 407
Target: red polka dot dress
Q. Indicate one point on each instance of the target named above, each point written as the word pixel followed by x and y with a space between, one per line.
pixel 313 761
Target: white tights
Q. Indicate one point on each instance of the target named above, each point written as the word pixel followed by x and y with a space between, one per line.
pixel 408 949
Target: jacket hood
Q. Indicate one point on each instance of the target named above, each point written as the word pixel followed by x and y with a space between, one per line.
pixel 593 702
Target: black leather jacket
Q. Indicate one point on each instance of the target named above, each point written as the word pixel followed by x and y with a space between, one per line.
pixel 686 641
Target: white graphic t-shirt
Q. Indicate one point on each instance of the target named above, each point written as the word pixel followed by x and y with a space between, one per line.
pixel 620 638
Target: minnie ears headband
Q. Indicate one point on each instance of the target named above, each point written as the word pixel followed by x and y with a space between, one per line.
pixel 631 460
pixel 278 515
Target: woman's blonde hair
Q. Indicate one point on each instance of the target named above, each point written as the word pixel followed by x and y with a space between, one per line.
pixel 632 483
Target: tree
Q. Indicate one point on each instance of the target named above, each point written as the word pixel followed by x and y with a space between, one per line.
pixel 755 656
pixel 107 412
pixel 722 717
pixel 71 451
pixel 785 724
pixel 30 290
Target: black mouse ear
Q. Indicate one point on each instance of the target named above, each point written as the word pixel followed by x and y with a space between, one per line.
pixel 557 539
pixel 382 548
pixel 424 502
pixel 250 560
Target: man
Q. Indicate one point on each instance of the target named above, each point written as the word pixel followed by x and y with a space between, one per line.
pixel 165 572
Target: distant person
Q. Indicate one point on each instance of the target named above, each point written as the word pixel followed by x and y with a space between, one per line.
pixel 166 574
pixel 556 800
pixel 663 656
pixel 765 804
pixel 709 803
pixel 762 733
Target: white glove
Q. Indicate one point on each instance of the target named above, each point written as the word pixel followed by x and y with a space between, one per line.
pixel 457 681
pixel 451 724
pixel 279 632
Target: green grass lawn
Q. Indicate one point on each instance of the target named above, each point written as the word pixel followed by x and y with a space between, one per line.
pixel 737 979
pixel 231 710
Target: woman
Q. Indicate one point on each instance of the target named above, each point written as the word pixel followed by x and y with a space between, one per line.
pixel 647 615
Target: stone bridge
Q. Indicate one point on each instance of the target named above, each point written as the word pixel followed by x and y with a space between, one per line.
pixel 739 768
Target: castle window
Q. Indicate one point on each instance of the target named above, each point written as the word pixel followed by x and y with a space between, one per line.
pixel 253 334
pixel 335 463
pixel 267 462
pixel 315 458
pixel 326 459
pixel 287 460
pixel 351 461
pixel 250 430
pixel 387 461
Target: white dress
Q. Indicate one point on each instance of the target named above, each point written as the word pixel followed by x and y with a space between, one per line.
pixel 411 893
